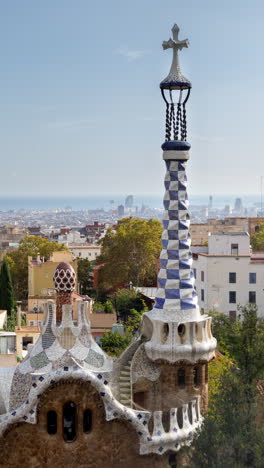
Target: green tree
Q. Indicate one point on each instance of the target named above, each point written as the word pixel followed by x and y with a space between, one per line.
pixel 6 289
pixel 103 307
pixel 126 300
pixel 84 275
pixel 108 307
pixel 216 370
pixel 223 330
pixel 248 344
pixel 133 322
pixel 130 253
pixel 242 340
pixel 115 343
pixel 18 261
pixel 257 239
pixel 129 307
pixel 231 435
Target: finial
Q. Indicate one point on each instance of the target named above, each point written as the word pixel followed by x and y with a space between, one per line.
pixel 175 84
pixel 64 278
pixel 175 79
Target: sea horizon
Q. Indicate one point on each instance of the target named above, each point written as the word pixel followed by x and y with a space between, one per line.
pixel 111 201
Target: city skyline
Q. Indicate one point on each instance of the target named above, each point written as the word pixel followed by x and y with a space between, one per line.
pixel 81 109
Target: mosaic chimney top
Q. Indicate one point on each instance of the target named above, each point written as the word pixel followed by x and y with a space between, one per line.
pixel 64 278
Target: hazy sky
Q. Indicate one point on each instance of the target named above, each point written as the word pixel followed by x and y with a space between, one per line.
pixel 80 106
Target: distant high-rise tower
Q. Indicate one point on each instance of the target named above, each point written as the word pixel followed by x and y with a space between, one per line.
pixel 129 201
pixel 210 202
pixel 238 205
pixel 120 210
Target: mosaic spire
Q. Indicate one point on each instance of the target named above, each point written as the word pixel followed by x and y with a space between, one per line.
pixel 175 327
pixel 176 279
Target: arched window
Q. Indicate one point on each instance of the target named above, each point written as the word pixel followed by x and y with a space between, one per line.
pixel 52 422
pixel 87 421
pixel 173 460
pixel 69 421
pixel 181 377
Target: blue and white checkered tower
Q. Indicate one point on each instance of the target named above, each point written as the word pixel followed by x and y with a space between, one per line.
pixel 177 329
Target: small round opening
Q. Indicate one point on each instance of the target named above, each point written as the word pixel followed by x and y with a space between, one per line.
pixel 181 329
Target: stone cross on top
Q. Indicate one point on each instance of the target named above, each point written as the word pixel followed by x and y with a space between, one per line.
pixel 175 43
pixel 175 79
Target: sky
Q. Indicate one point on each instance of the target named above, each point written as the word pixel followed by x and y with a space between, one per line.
pixel 80 106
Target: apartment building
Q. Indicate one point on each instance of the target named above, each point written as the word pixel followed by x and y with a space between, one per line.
pixel 229 274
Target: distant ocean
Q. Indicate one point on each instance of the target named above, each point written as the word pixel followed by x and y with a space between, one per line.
pixel 107 202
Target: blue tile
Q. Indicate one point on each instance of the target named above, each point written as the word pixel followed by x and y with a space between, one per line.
pixel 161 282
pixel 185 284
pixel 173 254
pixel 173 234
pixel 184 265
pixel 172 294
pixel 164 243
pixel 159 303
pixel 163 262
pixel 173 274
pixel 187 304
pixel 183 225
pixel 173 214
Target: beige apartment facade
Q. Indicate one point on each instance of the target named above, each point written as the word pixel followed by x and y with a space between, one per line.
pixel 25 336
pixel 89 251
pixel 199 231
pixel 8 357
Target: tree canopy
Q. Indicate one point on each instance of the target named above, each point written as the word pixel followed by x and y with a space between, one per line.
pixel 232 433
pixel 115 343
pixel 130 253
pixel 242 339
pixel 84 275
pixel 129 308
pixel 18 261
pixel 7 301
pixel 126 300
pixel 257 239
pixel 6 288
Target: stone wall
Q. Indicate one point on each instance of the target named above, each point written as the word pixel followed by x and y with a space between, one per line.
pixel 166 393
pixel 109 444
